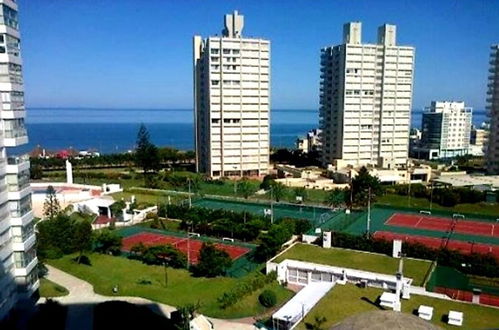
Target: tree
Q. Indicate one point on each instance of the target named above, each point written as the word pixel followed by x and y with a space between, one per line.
pixel 267 298
pixel 271 241
pixel 278 190
pixel 163 255
pixel 107 241
pixel 82 238
pixel 51 206
pixel 183 316
pixel 55 237
pixel 361 184
pixel 146 156
pixel 36 172
pixel 301 192
pixel 212 261
pixel 245 188
pixel 336 197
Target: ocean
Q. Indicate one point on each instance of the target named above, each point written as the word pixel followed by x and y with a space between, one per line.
pixel 115 130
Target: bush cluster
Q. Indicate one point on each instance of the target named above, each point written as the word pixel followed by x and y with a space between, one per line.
pixel 245 288
pixel 444 196
pixel 219 223
pixel 267 298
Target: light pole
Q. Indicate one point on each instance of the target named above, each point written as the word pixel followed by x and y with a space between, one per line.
pixel 431 195
pixel 271 205
pixel 190 200
pixel 368 210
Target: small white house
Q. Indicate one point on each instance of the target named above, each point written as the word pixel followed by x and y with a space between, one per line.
pixel 97 206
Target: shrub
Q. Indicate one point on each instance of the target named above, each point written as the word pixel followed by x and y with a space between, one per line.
pixel 267 298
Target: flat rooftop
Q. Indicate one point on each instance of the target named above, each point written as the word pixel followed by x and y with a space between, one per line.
pixel 372 262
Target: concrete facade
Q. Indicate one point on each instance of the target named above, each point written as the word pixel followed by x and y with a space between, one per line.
pixel 493 108
pixel 366 100
pixel 232 102
pixel 446 130
pixel 18 272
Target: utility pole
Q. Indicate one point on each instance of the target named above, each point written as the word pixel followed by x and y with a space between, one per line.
pixel 190 200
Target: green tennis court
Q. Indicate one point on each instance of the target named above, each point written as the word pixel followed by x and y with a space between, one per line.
pixel 317 215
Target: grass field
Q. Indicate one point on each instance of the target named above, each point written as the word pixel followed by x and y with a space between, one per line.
pixel 422 203
pixel 50 289
pixel 415 269
pixel 347 300
pixel 106 271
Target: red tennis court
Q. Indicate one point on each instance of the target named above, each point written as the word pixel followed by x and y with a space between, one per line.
pixel 436 243
pixel 190 247
pixel 485 299
pixel 443 224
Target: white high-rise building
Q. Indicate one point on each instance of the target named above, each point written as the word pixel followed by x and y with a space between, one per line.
pixel 446 130
pixel 18 271
pixel 493 108
pixel 366 100
pixel 232 102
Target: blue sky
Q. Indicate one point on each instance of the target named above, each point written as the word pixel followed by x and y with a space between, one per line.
pixel 138 54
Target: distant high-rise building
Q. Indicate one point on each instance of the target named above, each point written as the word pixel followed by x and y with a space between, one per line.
pixel 366 100
pixel 446 130
pixel 493 108
pixel 232 102
pixel 18 271
pixel 309 143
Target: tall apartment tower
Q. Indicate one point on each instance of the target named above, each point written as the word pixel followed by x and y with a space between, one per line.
pixel 231 102
pixel 493 108
pixel 446 130
pixel 18 273
pixel 366 100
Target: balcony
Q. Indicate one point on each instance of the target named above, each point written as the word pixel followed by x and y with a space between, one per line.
pixel 17 164
pixel 24 267
pixel 26 245
pixel 21 220
pixel 15 137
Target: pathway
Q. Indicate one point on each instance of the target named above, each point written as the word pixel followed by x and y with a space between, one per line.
pixel 82 298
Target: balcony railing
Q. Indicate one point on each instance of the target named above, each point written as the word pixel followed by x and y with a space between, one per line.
pixel 16 160
pixel 16 133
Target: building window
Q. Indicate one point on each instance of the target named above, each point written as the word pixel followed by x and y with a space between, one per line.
pixel 215 82
pixel 226 51
pixel 214 51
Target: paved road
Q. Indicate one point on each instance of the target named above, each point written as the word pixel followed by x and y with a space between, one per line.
pixel 82 298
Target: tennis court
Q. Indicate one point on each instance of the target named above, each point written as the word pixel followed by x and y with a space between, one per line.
pixel 190 246
pixel 436 243
pixel 463 232
pixel 444 224
pixel 315 214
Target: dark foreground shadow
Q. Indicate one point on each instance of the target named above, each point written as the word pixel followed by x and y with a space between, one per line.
pixel 108 315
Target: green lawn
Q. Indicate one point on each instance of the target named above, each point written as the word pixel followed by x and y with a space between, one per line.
pixel 347 300
pixel 107 271
pixel 423 203
pixel 415 269
pixel 50 289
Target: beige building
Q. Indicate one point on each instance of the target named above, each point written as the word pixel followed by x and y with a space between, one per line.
pixel 232 102
pixel 366 100
pixel 493 107
pixel 18 271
